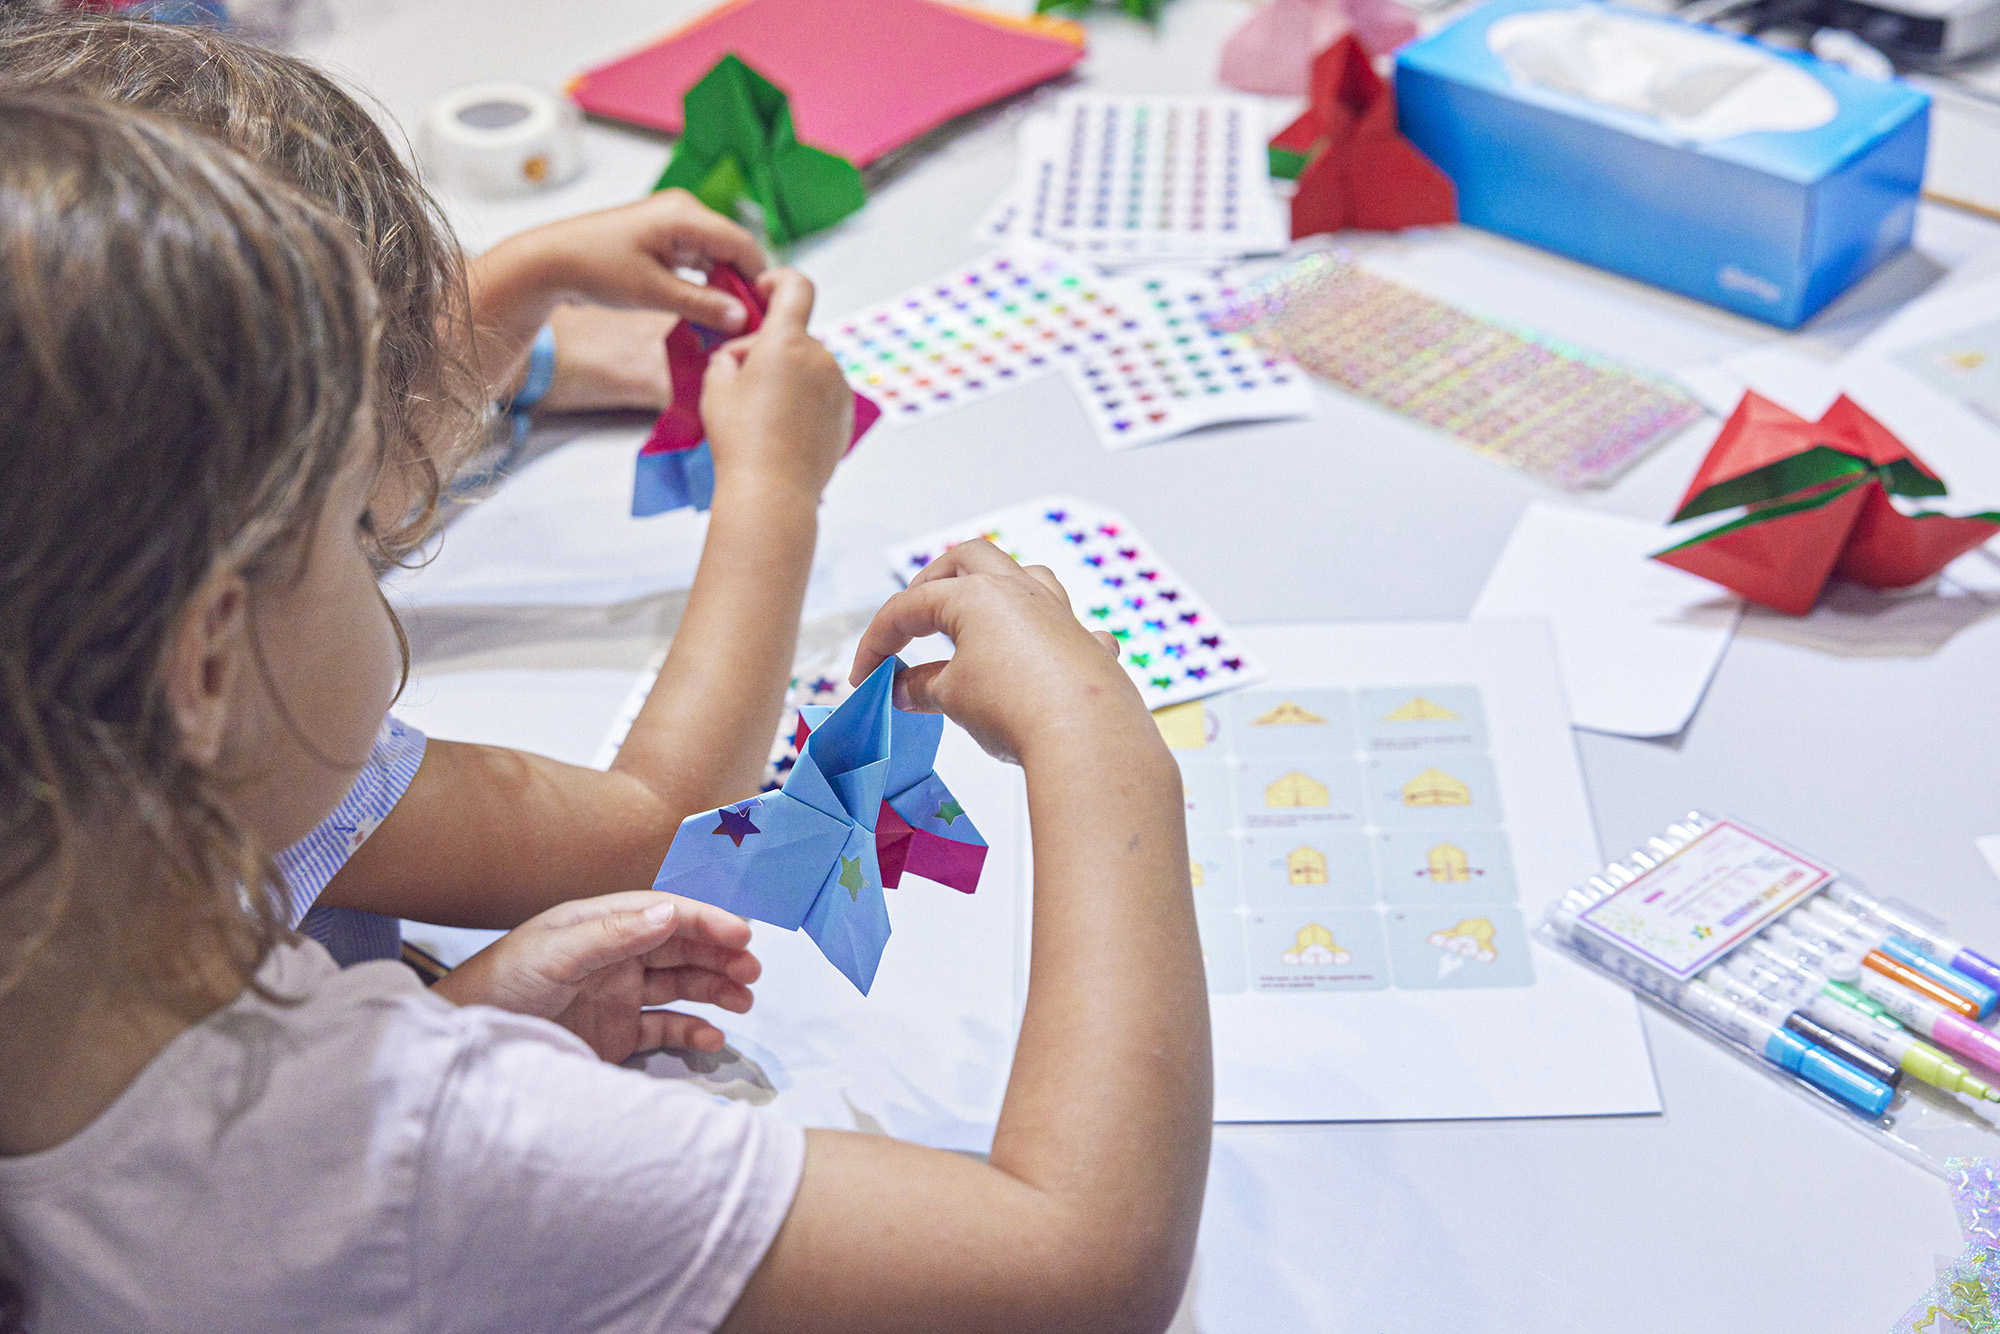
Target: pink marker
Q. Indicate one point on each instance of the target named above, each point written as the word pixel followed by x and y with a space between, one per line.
pixel 1927 1018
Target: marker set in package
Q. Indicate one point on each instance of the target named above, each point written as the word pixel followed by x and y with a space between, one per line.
pixel 1865 1006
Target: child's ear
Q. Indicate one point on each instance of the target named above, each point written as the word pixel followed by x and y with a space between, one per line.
pixel 204 664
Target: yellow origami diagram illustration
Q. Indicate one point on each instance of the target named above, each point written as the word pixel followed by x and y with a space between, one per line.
pixel 1306 866
pixel 1295 789
pixel 1184 726
pixel 1448 864
pixel 1470 939
pixel 1420 710
pixel 1194 873
pixel 1435 787
pixel 1315 945
pixel 1288 714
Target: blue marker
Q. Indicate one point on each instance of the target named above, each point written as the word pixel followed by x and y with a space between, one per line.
pixel 1836 921
pixel 1787 1050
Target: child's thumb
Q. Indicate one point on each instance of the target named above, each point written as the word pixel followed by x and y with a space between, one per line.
pixel 916 688
pixel 613 937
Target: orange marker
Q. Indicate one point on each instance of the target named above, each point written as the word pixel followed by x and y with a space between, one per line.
pixel 1917 982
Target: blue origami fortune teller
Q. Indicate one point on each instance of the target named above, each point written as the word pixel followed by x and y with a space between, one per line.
pixel 862 804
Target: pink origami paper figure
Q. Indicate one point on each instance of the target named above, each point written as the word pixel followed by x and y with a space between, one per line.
pixel 675 470
pixel 1273 51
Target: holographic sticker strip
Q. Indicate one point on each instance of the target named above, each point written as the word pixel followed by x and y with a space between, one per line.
pixel 1170 643
pixel 1004 320
pixel 1177 371
pixel 1543 406
pixel 1966 1295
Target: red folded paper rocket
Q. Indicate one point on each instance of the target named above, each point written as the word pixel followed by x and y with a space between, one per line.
pixel 674 469
pixel 1817 499
pixel 1353 168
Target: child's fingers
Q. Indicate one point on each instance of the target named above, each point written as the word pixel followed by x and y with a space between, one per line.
pixel 790 299
pixel 664 1029
pixel 978 556
pixel 1046 577
pixel 706 922
pixel 665 986
pixel 683 949
pixel 1106 642
pixel 698 232
pixel 916 688
pixel 710 306
pixel 910 614
pixel 570 953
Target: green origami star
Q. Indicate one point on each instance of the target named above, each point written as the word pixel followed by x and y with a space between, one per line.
pixel 949 811
pixel 1146 10
pixel 739 155
pixel 851 878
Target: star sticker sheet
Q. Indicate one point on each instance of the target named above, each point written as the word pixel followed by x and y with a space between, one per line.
pixel 1122 180
pixel 1173 369
pixel 1172 645
pixel 861 805
pixel 1145 353
pixel 1007 319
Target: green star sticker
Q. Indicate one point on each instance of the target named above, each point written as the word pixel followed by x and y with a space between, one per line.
pixel 949 811
pixel 851 878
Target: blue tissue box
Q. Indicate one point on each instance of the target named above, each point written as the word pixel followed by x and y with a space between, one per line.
pixel 1771 223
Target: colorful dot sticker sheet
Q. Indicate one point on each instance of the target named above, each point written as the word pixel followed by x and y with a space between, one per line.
pixel 1546 407
pixel 1171 644
pixel 1131 179
pixel 1176 370
pixel 1007 319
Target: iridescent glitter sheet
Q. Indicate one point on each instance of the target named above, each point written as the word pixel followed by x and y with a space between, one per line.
pixel 1966 1296
pixel 1543 406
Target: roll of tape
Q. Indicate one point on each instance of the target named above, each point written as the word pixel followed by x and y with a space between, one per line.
pixel 503 139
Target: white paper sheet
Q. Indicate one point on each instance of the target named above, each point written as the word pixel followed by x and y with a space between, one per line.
pixel 1989 848
pixel 1638 640
pixel 925 1055
pixel 1444 1039
pixel 561 533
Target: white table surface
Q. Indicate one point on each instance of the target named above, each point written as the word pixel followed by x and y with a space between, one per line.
pixel 1737 1208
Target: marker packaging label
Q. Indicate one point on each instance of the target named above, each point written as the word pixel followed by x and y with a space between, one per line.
pixel 1695 895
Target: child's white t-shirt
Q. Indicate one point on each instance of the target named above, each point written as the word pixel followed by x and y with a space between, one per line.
pixel 374 1158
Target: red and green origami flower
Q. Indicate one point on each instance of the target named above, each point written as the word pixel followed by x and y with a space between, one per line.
pixel 1816 502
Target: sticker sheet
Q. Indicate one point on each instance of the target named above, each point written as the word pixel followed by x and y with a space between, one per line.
pixel 1173 646
pixel 1131 179
pixel 1517 397
pixel 1178 370
pixel 1964 365
pixel 1145 353
pixel 1007 319
pixel 1372 831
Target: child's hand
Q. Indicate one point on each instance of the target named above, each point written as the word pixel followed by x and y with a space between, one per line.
pixel 1023 672
pixel 608 359
pixel 592 964
pixel 626 256
pixel 777 412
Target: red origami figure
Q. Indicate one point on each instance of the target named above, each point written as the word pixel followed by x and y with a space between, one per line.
pixel 675 469
pixel 1353 168
pixel 1817 496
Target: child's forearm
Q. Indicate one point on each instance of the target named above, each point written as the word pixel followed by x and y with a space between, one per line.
pixel 1116 973
pixel 514 292
pixel 705 732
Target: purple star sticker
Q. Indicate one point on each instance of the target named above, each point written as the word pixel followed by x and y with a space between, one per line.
pixel 735 823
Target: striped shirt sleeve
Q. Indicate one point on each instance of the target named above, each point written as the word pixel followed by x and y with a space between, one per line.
pixel 310 863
